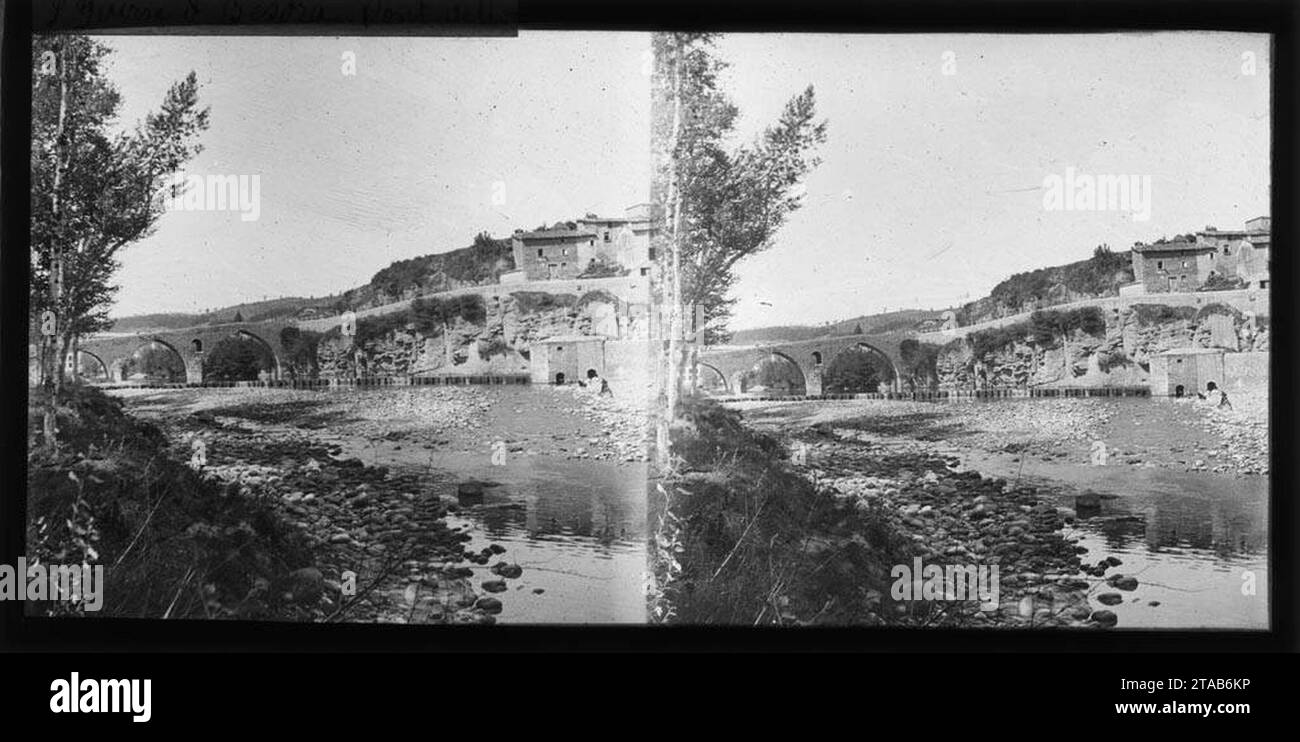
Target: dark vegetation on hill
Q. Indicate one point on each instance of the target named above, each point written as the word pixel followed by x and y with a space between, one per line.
pixel 480 263
pixel 429 316
pixel 1045 328
pixel 174 544
pixel 1100 275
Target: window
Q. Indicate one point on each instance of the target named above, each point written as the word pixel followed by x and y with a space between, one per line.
pixel 1184 263
pixel 607 235
pixel 645 271
pixel 652 253
pixel 539 252
pixel 1160 264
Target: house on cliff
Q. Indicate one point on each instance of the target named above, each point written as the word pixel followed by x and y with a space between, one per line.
pixel 1243 253
pixel 1186 265
pixel 1178 265
pixel 561 252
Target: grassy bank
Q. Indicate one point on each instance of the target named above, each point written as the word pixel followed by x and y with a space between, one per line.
pixel 173 544
pixel 745 539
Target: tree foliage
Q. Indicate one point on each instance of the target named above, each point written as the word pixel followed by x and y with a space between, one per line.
pixel 300 351
pixel 918 364
pixel 734 199
pixel 236 359
pixel 95 191
pixel 156 362
pixel 855 370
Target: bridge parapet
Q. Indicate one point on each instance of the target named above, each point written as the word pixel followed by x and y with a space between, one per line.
pixel 811 357
pixel 191 344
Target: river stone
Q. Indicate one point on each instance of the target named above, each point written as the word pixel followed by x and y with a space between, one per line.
pixel 488 604
pixel 1105 618
pixel 494 586
pixel 507 570
pixel 1110 598
pixel 1122 582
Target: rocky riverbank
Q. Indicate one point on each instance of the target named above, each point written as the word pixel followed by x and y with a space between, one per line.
pixel 1183 435
pixel 963 518
pixel 315 457
pixel 919 472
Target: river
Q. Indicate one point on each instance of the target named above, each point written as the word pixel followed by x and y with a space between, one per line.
pixel 563 477
pixel 1196 538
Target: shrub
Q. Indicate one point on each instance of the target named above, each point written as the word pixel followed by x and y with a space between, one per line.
pixel 1155 314
pixel 532 302
pixel 1221 282
pixel 1217 308
pixel 492 347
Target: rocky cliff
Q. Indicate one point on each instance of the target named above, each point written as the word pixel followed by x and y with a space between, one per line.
pixel 1119 355
pixel 500 344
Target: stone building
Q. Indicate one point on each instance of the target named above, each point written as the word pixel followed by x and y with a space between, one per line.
pixel 1173 266
pixel 1243 253
pixel 562 253
pixel 1186 371
pixel 1183 265
pixel 624 240
pixel 565 359
pixel 554 253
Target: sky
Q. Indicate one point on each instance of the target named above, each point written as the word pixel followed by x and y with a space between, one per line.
pixel 931 189
pixel 431 141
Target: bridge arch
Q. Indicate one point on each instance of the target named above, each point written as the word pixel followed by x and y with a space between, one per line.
pixel 116 372
pixel 726 383
pixel 270 349
pixel 103 366
pixel 859 345
pixel 766 354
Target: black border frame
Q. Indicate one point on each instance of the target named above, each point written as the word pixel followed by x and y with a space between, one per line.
pixel 1277 17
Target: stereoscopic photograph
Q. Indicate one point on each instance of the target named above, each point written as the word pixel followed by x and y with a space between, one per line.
pixel 973 330
pixel 920 331
pixel 340 329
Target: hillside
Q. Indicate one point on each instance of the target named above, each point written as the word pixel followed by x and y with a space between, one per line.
pixel 1100 275
pixel 480 263
pixel 871 323
pixel 250 311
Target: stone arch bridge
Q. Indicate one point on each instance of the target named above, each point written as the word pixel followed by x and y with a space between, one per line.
pixel 811 357
pixel 191 344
